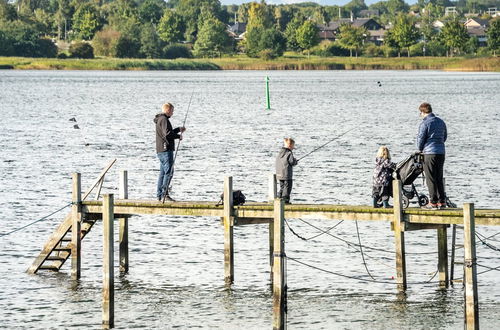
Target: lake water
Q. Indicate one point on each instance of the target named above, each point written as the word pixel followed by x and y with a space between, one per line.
pixel 176 263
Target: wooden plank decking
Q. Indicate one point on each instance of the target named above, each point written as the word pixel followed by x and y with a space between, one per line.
pixel 127 207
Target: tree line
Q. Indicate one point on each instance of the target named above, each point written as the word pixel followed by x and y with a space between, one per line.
pixel 187 28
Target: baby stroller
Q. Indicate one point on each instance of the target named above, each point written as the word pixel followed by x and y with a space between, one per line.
pixel 408 171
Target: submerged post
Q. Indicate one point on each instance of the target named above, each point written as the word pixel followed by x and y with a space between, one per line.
pixel 228 231
pixel 443 256
pixel 108 285
pixel 399 236
pixel 279 281
pixel 76 243
pixel 124 262
pixel 470 272
pixel 271 197
pixel 268 101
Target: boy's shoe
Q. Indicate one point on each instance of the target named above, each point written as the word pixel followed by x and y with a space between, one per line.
pixel 430 206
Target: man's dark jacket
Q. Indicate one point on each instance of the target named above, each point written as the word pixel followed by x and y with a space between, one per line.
pixel 165 135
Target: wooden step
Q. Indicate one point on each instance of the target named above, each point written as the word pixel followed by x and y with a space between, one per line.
pixel 66 249
pixel 56 258
pixel 53 268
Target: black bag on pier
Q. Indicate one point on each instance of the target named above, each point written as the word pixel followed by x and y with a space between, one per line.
pixel 238 198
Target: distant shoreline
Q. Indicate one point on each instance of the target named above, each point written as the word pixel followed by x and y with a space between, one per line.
pixel 482 64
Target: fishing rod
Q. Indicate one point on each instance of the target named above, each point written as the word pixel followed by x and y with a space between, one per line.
pixel 178 145
pixel 323 145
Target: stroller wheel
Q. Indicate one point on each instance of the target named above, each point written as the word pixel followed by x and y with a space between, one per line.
pixel 423 200
pixel 406 202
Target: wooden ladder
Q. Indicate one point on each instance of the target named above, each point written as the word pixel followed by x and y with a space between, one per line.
pixel 58 248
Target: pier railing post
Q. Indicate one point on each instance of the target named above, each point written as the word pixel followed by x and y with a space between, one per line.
pixel 279 281
pixel 443 256
pixel 470 272
pixel 124 261
pixel 271 197
pixel 228 231
pixel 76 243
pixel 399 236
pixel 108 288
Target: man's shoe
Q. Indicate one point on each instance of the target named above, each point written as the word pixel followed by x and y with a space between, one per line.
pixel 159 198
pixel 441 206
pixel 430 206
pixel 167 198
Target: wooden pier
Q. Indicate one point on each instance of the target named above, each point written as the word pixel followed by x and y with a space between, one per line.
pixel 66 240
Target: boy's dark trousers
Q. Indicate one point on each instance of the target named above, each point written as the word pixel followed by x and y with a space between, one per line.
pixel 433 169
pixel 285 190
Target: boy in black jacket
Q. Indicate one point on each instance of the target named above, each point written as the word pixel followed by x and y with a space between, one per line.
pixel 284 169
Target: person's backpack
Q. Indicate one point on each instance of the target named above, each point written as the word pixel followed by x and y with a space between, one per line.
pixel 238 198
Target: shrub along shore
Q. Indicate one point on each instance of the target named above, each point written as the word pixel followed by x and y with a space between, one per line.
pixel 491 64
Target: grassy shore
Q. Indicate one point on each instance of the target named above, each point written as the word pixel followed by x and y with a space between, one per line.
pixel 244 63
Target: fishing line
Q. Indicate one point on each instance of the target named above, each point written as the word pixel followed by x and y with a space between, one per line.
pixel 323 145
pixel 178 146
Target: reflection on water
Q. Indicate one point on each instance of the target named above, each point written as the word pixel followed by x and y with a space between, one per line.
pixel 176 274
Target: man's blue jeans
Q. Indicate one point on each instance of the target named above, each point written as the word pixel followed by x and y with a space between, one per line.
pixel 166 170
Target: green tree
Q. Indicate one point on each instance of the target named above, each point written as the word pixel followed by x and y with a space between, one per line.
pixel 151 11
pixel 127 47
pixel 307 36
pixel 150 42
pixel 259 16
pixel 264 43
pixel 190 11
pixel 86 21
pixel 352 37
pixel 454 36
pixel 472 45
pixel 170 28
pixel 395 7
pixel 405 33
pixel 355 6
pixel 212 39
pixel 7 11
pixel 291 33
pixel 493 34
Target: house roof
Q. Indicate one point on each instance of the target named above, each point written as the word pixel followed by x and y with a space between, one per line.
pixel 476 21
pixel 358 22
pixel 477 32
pixel 238 28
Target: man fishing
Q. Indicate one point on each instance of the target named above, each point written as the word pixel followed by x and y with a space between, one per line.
pixel 165 146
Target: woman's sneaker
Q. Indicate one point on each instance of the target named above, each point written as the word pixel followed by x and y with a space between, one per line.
pixel 430 206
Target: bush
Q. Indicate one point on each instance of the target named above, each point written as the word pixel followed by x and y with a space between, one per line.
pixel 373 50
pixel 81 50
pixel 105 41
pixel 389 51
pixel 45 48
pixel 127 47
pixel 62 56
pixel 435 48
pixel 484 51
pixel 328 48
pixel 417 50
pixel 177 51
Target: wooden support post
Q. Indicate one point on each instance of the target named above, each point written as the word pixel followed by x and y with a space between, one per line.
pixel 471 312
pixel 108 285
pixel 124 261
pixel 272 188
pixel 228 231
pixel 452 257
pixel 271 197
pixel 76 243
pixel 279 281
pixel 399 236
pixel 442 256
